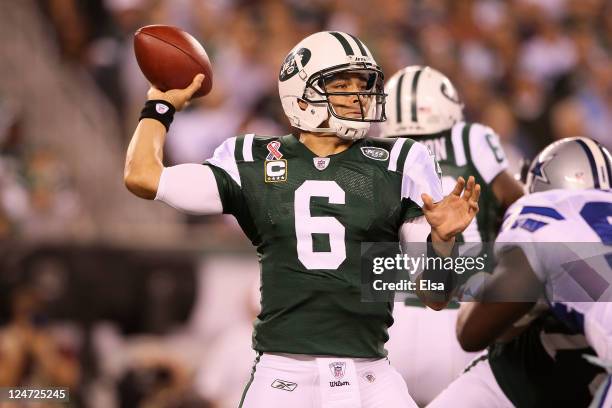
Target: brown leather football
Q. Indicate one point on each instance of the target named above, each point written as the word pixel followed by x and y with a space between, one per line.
pixel 170 58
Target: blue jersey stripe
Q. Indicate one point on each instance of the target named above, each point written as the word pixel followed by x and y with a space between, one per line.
pixel 544 211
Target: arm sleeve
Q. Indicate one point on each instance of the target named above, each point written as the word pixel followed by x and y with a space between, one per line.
pixel 213 188
pixel 415 230
pixel 190 188
pixel 421 174
pixel 487 153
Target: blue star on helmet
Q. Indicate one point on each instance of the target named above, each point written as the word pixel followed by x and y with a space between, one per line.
pixel 538 170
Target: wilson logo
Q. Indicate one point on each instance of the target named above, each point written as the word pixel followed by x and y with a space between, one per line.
pixel 338 383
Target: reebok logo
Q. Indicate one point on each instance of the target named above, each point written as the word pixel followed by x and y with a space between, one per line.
pixel 161 108
pixel 284 385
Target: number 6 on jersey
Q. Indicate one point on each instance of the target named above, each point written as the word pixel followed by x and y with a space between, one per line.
pixel 306 225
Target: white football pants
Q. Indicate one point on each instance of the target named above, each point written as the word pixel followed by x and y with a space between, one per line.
pixel 423 347
pixel 301 381
pixel 475 388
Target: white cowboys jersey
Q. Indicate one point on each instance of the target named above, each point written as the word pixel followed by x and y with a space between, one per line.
pixel 565 237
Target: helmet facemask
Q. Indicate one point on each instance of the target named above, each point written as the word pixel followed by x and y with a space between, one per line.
pixel 371 100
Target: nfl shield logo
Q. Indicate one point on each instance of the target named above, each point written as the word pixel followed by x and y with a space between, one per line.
pixel 321 163
pixel 337 369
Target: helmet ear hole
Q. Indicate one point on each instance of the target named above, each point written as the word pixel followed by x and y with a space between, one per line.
pixel 302 104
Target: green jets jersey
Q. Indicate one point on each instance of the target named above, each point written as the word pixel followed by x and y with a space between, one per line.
pixel 471 149
pixel 544 366
pixel 308 216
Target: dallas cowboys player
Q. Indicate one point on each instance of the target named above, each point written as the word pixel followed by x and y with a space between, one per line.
pixel 307 201
pixel 540 255
pixel 423 104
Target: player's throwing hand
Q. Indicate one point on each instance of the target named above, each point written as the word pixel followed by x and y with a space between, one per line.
pixel 179 98
pixel 454 213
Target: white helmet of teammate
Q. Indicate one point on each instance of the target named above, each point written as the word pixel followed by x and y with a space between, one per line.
pixel 422 101
pixel 574 163
pixel 303 75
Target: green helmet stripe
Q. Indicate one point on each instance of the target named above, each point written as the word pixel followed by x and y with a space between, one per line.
pixel 343 41
pixel 413 94
pixel 360 45
pixel 398 98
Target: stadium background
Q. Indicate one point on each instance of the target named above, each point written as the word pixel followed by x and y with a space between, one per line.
pixel 132 304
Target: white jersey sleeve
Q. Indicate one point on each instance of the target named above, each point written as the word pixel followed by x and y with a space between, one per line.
pixel 486 152
pixel 415 230
pixel 197 189
pixel 421 174
pixel 190 188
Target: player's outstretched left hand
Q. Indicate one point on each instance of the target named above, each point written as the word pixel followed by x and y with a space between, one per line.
pixel 455 212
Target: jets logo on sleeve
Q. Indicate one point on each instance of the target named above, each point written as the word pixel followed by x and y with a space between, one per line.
pixel 375 153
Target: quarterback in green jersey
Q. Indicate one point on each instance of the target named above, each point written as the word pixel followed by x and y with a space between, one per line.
pixel 423 104
pixel 307 201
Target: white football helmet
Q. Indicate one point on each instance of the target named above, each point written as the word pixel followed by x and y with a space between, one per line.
pixel 574 163
pixel 312 63
pixel 422 101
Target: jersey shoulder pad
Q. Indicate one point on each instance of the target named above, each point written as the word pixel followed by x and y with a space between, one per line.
pixel 224 157
pixel 381 142
pixel 397 148
pixel 251 147
pixel 380 150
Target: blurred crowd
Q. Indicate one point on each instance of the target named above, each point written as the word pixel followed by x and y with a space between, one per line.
pixel 71 92
pixel 534 70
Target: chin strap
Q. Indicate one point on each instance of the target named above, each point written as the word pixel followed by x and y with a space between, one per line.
pixel 344 129
pixel 347 129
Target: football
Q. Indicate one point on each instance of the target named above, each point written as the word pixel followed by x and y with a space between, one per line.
pixel 170 58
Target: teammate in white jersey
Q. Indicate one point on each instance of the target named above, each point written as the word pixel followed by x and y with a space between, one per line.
pixel 543 252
